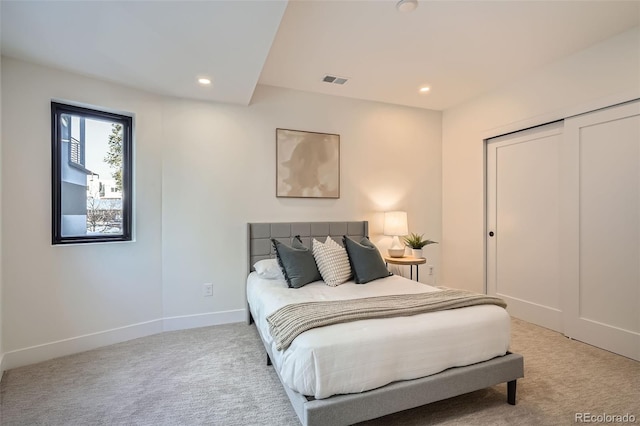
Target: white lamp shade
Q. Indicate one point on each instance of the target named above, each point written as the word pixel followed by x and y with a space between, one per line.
pixel 395 223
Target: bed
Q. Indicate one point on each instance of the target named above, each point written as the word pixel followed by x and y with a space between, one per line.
pixel 375 377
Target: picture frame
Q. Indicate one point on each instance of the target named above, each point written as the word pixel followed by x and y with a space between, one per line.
pixel 307 164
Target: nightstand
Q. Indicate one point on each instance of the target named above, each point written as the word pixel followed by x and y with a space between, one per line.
pixel 406 260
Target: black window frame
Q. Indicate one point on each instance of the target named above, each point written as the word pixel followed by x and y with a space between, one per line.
pixel 57 110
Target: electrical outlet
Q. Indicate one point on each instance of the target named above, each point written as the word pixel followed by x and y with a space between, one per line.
pixel 207 289
pixel 430 269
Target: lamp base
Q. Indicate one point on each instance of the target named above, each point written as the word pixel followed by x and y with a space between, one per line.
pixel 396 252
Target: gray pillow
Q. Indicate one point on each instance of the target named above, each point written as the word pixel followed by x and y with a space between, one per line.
pixel 297 263
pixel 365 259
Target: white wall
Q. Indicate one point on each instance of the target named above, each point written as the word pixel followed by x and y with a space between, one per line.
pixel 1 346
pixel 53 293
pixel 604 74
pixel 202 171
pixel 219 174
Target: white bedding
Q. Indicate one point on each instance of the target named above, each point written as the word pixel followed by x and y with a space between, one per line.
pixel 362 355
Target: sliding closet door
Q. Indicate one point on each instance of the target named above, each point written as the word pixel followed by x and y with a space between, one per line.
pixel 523 223
pixel 600 237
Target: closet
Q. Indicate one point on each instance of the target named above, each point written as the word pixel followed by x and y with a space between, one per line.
pixel 563 226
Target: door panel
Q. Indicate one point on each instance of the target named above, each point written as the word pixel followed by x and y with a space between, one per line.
pixel 522 212
pixel 601 237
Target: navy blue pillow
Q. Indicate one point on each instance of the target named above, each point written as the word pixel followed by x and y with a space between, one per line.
pixel 365 259
pixel 297 263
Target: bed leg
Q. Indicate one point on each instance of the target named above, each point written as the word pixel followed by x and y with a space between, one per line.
pixel 249 316
pixel 268 360
pixel 511 392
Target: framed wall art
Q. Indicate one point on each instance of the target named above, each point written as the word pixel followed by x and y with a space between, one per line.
pixel 307 164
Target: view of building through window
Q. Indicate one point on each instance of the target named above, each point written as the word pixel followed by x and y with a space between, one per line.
pixel 95 156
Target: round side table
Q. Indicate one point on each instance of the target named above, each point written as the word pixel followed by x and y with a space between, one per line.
pixel 407 260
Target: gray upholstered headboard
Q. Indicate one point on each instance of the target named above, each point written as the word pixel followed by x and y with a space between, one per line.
pixel 259 235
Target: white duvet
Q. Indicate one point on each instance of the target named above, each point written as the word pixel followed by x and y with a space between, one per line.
pixel 362 355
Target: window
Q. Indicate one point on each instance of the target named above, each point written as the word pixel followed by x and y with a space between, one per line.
pixel 91 175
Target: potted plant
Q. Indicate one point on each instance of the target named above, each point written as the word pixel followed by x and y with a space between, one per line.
pixel 416 242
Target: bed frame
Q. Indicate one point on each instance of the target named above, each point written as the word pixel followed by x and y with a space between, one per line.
pixel 397 396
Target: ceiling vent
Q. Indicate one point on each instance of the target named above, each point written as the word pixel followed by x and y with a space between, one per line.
pixel 335 80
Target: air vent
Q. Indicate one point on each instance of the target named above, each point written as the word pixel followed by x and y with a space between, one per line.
pixel 335 80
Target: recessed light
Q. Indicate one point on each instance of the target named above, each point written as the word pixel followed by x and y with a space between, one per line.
pixel 425 89
pixel 204 81
pixel 407 5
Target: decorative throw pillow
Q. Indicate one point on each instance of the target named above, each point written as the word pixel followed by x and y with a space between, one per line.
pixel 330 241
pixel 366 262
pixel 269 269
pixel 297 263
pixel 332 261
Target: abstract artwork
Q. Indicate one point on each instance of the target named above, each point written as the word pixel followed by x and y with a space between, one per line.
pixel 308 164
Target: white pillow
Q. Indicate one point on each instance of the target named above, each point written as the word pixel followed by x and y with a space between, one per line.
pixel 332 261
pixel 331 243
pixel 269 269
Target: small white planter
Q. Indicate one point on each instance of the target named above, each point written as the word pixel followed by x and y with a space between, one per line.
pixel 417 253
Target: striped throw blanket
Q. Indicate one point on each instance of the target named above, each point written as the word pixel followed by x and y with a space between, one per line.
pixel 290 321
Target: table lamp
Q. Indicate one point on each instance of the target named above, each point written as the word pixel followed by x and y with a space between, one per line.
pixel 395 225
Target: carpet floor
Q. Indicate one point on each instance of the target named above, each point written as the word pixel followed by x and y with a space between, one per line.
pixel 218 376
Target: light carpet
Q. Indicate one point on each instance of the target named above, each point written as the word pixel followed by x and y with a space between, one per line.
pixel 218 376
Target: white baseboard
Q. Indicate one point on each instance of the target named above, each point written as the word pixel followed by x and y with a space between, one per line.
pixel 545 316
pixel 46 351
pixel 1 366
pixel 203 320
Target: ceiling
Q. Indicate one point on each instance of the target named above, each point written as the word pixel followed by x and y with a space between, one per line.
pixel 460 49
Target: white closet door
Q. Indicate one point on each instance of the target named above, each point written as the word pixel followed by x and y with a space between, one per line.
pixel 600 237
pixel 523 223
